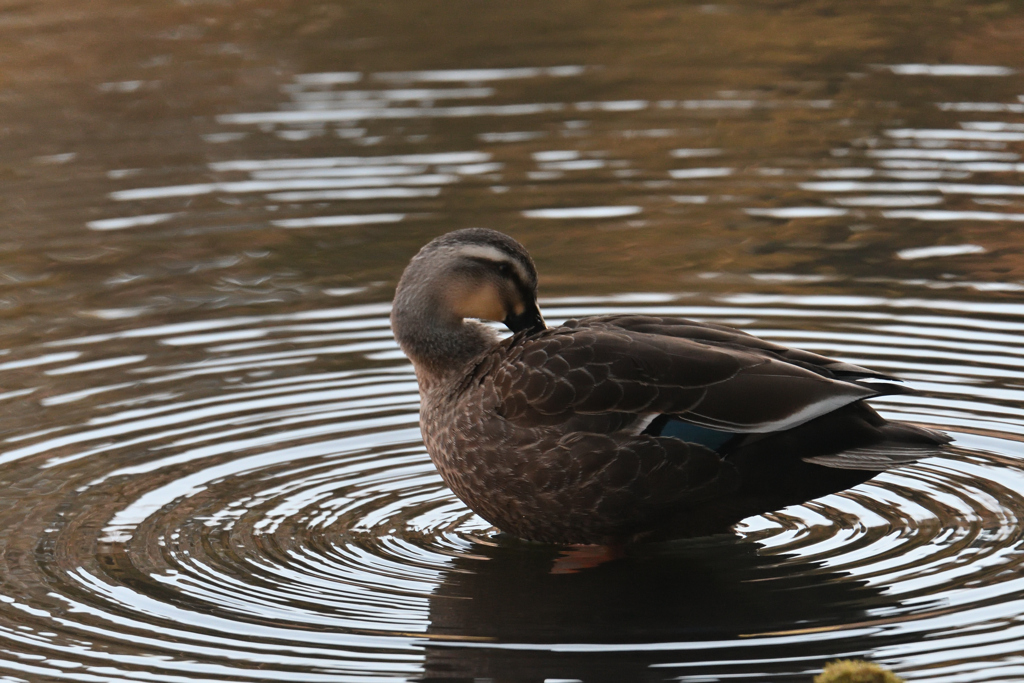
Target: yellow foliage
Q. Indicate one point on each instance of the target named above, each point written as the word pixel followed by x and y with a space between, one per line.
pixel 855 671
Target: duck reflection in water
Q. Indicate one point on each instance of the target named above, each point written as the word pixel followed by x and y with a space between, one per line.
pixel 694 607
pixel 612 429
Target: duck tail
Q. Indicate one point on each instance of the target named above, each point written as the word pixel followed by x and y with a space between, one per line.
pixel 901 444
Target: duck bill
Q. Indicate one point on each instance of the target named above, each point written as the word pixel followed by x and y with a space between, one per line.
pixel 530 319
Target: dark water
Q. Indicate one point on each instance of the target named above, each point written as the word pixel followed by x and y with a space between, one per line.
pixel 208 447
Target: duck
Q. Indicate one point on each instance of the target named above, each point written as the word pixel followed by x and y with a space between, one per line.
pixel 616 429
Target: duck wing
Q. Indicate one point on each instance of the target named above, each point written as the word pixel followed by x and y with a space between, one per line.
pixel 722 336
pixel 619 371
pixel 852 437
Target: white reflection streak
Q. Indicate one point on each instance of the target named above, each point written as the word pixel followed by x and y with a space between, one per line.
pixel 339 221
pixel 948 70
pixel 130 221
pixel 887 200
pixel 945 188
pixel 924 175
pixel 353 195
pixel 691 173
pixel 556 155
pixel 990 125
pixel 329 78
pixel 328 115
pixel 515 136
pixel 398 95
pixel 742 104
pixel 339 172
pixel 845 173
pixel 329 162
pixel 798 212
pixel 478 75
pixel 574 165
pixel 45 359
pixel 7 395
pixel 718 104
pixel 971 166
pixel 584 212
pixel 472 169
pixel 942 250
pixel 96 365
pixel 956 216
pixel 691 153
pixel 942 154
pixel 981 106
pixel 954 134
pixel 615 105
pixel 250 186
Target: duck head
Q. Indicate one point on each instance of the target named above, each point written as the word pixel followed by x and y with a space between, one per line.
pixel 471 273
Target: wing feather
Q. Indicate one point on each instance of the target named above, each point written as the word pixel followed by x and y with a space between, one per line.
pixel 626 364
pixel 727 337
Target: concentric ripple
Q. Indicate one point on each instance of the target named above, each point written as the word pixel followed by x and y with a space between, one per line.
pixel 209 453
pixel 203 518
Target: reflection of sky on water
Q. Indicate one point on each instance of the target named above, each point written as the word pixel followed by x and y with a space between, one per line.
pixel 891 176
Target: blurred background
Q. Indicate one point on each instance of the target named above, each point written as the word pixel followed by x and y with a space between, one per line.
pixel 208 439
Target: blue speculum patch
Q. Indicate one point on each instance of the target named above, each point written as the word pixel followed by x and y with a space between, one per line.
pixel 691 433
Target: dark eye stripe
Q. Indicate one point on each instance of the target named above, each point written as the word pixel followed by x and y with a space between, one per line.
pixel 503 267
pixel 498 257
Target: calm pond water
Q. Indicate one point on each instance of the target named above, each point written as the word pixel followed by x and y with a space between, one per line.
pixel 208 440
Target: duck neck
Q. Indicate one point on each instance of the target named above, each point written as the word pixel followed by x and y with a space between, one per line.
pixel 438 343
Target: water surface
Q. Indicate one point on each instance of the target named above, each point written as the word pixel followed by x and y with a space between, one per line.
pixel 209 444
